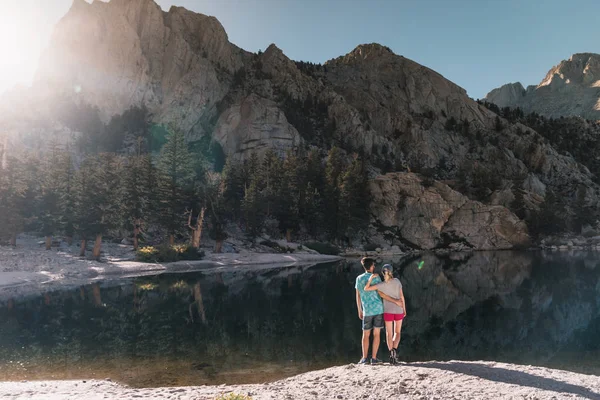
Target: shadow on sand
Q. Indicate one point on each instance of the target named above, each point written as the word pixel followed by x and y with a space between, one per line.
pixel 499 374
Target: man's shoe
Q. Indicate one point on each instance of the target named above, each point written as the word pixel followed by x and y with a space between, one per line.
pixel 375 361
pixel 363 361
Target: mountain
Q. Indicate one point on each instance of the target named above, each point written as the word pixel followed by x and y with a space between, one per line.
pixel 471 164
pixel 572 88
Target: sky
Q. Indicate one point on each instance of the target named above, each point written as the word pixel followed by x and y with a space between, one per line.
pixel 477 44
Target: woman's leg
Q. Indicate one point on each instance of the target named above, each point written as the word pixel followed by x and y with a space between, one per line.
pixel 389 334
pixel 397 329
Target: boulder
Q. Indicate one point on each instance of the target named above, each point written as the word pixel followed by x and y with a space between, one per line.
pixel 430 217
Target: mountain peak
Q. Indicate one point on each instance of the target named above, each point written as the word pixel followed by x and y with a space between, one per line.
pixel 569 88
pixel 368 50
pixel 364 52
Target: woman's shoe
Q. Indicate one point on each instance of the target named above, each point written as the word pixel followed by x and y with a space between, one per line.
pixel 393 356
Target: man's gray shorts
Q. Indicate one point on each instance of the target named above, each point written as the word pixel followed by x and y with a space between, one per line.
pixel 372 321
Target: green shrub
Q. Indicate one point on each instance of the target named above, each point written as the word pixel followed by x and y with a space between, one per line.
pixel 233 396
pixel 166 253
pixel 323 248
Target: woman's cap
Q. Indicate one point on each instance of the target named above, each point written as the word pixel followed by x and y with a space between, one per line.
pixel 387 267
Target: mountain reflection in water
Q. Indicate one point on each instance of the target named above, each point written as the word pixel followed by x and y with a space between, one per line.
pixel 256 326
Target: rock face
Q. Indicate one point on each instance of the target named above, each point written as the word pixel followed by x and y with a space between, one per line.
pixel 129 52
pixel 507 95
pixel 435 216
pixel 253 126
pixel 572 88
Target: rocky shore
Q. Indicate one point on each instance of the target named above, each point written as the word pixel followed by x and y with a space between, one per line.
pixel 28 267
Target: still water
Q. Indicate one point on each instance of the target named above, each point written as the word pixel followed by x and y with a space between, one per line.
pixel 256 326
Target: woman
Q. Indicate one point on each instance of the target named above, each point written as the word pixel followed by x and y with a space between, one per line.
pixel 393 313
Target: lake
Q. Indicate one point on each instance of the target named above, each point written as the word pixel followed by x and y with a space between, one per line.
pixel 249 326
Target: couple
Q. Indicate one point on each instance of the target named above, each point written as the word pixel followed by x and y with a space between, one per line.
pixel 373 311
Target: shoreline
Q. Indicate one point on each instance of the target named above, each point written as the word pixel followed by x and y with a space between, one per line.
pixel 29 269
pixel 423 380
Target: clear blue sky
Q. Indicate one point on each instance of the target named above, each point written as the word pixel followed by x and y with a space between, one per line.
pixel 478 44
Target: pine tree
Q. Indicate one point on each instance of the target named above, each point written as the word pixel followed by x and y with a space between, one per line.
pixel 354 197
pixel 498 126
pixel 550 218
pixel 518 203
pixel 333 177
pixel 250 170
pixel 312 215
pixel 98 198
pixel 137 194
pixel 31 199
pixel 254 208
pixel 67 194
pixel 215 200
pixel 233 189
pixel 13 187
pixel 50 211
pixel 176 176
pixel 289 196
pixel 311 184
pixel 271 179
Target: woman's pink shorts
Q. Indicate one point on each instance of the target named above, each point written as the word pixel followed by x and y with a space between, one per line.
pixel 388 317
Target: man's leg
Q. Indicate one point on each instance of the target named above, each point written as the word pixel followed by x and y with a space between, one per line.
pixel 365 343
pixel 376 340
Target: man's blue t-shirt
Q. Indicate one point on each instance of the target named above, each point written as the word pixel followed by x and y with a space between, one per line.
pixel 371 301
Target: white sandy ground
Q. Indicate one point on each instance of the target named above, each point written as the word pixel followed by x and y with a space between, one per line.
pixel 29 269
pixel 459 380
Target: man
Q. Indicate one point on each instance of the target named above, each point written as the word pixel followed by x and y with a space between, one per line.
pixel 370 310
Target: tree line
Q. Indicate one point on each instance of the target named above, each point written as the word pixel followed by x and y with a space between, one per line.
pixel 171 196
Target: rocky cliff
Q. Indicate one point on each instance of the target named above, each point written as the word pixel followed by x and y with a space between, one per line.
pixel 435 216
pixel 400 115
pixel 572 88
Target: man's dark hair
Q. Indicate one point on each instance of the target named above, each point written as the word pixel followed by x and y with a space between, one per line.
pixel 367 263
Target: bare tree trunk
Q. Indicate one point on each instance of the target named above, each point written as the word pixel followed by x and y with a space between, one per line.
pixel 82 249
pixel 82 292
pixel 48 242
pixel 136 232
pixel 288 235
pixel 218 246
pixel 171 239
pixel 196 230
pixel 13 240
pixel 97 247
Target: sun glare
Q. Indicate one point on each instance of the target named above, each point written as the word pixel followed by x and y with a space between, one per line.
pixel 20 46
